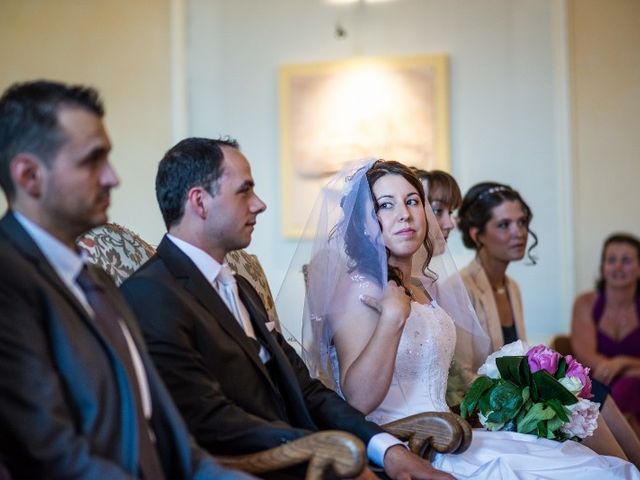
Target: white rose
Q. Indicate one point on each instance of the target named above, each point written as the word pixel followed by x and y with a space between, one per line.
pixel 584 419
pixel 573 384
pixel 515 349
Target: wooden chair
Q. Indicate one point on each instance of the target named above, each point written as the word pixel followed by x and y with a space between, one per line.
pixel 119 252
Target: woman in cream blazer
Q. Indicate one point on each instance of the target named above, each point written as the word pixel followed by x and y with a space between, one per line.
pixel 494 221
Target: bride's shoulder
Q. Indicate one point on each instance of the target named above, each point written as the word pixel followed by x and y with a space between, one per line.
pixel 362 283
pixel 352 286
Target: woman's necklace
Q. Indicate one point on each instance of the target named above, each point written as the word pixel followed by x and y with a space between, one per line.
pixel 501 290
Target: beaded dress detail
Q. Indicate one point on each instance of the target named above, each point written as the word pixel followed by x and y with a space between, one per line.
pixel 422 365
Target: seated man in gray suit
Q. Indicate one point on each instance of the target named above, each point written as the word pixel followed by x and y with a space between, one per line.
pixel 238 384
pixel 79 396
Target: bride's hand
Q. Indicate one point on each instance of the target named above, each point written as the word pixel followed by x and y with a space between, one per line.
pixel 394 306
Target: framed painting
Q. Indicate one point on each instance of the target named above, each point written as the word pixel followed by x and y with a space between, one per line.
pixel 332 113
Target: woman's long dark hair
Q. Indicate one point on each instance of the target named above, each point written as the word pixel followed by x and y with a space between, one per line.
pixel 617 238
pixel 358 245
pixel 477 207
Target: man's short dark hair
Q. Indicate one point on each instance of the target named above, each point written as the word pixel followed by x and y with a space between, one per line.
pixel 29 121
pixel 193 162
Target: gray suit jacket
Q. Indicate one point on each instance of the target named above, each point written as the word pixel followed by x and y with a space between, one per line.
pixel 66 409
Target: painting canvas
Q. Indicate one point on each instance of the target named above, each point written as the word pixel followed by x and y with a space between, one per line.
pixel 333 113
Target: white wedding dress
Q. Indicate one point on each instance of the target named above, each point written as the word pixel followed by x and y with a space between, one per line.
pixel 419 385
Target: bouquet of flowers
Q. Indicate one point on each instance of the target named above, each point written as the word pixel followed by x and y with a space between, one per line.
pixel 533 390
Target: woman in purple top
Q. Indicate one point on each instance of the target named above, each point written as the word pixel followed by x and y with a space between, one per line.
pixel 605 330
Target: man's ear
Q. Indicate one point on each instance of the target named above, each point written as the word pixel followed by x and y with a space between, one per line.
pixel 196 201
pixel 474 233
pixel 26 173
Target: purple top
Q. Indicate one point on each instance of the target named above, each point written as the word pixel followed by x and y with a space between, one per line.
pixel 629 345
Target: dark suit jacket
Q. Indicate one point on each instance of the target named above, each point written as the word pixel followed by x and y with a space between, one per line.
pixel 229 399
pixel 66 408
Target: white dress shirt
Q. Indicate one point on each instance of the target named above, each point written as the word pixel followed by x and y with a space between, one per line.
pixel 210 268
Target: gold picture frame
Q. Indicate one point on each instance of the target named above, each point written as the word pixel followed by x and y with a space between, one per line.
pixel 395 108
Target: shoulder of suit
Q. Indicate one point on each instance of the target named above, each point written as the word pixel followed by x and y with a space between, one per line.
pixel 16 269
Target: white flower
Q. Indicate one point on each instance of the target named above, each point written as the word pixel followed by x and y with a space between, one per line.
pixel 489 368
pixel 489 425
pixel 584 419
pixel 573 384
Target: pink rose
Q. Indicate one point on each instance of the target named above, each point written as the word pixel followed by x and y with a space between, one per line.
pixel 543 358
pixel 575 369
pixel 584 419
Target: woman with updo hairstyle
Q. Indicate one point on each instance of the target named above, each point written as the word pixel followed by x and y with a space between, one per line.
pixel 605 329
pixel 494 221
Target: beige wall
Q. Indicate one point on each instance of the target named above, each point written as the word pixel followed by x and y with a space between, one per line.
pixel 121 47
pixel 509 107
pixel 605 70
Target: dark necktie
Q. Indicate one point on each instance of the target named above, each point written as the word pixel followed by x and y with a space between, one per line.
pixel 108 321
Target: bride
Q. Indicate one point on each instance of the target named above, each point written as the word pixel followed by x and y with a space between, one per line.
pixel 374 331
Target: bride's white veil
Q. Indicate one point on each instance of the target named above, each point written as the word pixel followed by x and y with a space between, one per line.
pixel 343 240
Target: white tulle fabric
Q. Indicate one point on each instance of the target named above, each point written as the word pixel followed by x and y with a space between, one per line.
pixel 311 293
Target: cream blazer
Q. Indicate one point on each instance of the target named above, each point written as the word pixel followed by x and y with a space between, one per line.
pixel 484 303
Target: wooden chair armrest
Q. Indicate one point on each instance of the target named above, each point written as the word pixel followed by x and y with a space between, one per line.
pixel 329 450
pixel 431 432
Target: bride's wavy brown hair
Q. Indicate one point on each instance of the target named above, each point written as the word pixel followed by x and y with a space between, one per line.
pixel 359 247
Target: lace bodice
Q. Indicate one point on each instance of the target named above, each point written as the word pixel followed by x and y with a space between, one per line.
pixel 425 351
pixel 419 382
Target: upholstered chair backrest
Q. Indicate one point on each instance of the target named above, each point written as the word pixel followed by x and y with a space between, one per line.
pixel 115 249
pixel 120 252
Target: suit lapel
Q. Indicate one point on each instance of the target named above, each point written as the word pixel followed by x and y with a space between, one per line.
pixel 185 271
pixel 516 308
pixel 259 319
pixel 289 387
pixel 488 302
pixel 23 242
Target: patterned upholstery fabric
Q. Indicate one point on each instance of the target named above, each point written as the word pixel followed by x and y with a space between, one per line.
pixel 115 249
pixel 120 252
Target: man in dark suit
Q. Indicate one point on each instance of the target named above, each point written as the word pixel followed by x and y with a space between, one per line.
pixel 238 384
pixel 79 396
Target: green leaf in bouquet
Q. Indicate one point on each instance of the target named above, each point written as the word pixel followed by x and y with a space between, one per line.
pixel 483 403
pixel 510 368
pixel 505 400
pixel 561 411
pixel 554 425
pixel 526 394
pixel 542 429
pixel 562 368
pixel 548 388
pixel 525 372
pixel 537 413
pixel 549 432
pixel 470 401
